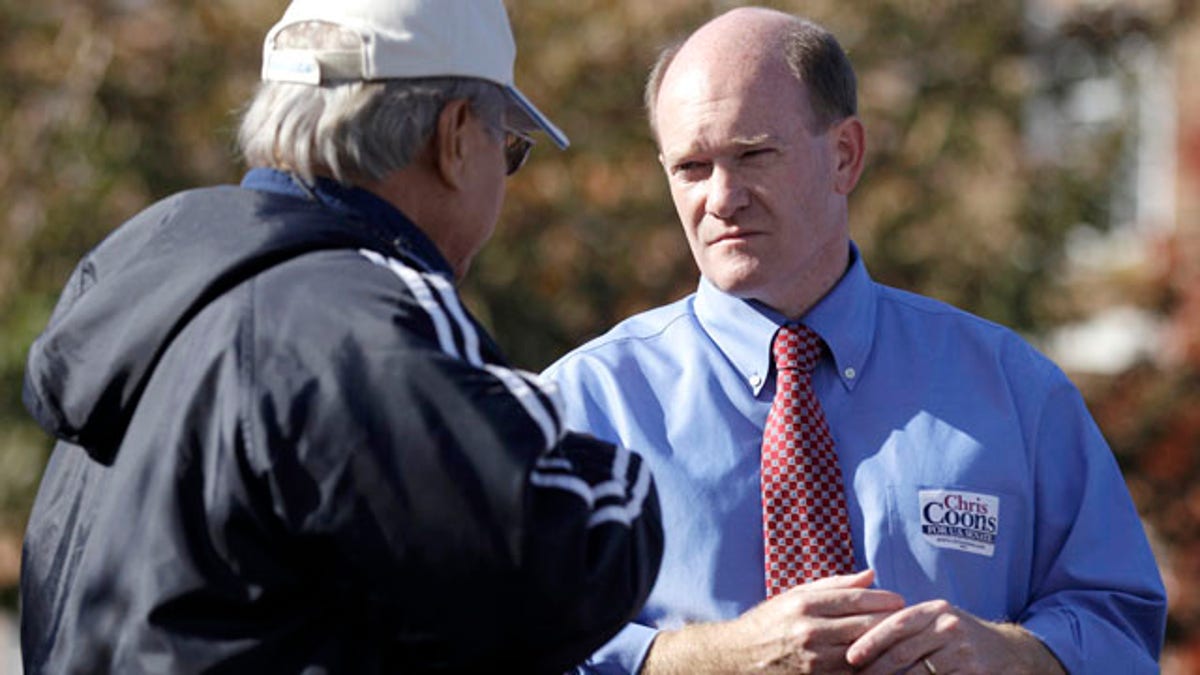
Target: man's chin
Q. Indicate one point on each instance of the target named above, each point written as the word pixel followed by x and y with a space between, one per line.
pixel 739 286
pixel 740 277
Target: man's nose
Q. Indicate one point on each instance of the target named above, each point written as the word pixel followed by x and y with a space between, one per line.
pixel 727 194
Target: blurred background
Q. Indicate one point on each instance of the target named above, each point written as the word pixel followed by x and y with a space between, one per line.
pixel 1036 162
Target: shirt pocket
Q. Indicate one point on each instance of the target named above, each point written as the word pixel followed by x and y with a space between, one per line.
pixel 963 543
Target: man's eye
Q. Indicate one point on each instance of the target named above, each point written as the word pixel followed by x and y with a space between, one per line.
pixel 690 170
pixel 756 153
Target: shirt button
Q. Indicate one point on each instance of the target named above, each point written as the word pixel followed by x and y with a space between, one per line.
pixel 850 373
pixel 755 380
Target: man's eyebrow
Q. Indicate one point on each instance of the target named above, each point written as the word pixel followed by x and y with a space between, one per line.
pixel 739 141
pixel 758 139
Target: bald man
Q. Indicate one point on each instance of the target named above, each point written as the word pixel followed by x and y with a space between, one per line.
pixel 973 518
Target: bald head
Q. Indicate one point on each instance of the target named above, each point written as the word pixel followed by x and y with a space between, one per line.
pixel 747 36
pixel 757 45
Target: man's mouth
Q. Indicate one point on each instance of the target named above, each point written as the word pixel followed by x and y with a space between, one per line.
pixel 733 235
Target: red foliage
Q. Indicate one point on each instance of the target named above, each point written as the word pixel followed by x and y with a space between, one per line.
pixel 1151 416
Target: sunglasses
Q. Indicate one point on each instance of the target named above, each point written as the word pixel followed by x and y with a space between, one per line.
pixel 516 149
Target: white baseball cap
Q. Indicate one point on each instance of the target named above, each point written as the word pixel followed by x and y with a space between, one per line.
pixel 407 39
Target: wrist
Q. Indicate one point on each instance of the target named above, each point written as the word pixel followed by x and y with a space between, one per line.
pixel 694 648
pixel 1033 655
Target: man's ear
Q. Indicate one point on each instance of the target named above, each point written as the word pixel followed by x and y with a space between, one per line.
pixel 451 143
pixel 850 147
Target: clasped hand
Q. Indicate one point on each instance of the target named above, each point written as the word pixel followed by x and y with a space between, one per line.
pixel 841 625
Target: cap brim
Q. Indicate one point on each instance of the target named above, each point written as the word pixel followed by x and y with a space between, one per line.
pixel 535 117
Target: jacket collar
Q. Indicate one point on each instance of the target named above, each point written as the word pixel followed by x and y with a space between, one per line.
pixel 359 205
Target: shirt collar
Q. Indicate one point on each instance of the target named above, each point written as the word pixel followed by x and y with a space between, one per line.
pixel 356 204
pixel 743 329
pixel 845 319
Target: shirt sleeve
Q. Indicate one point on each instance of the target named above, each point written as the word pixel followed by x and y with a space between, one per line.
pixel 1098 601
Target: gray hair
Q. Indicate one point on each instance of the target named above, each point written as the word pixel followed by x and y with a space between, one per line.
pixel 352 130
pixel 811 53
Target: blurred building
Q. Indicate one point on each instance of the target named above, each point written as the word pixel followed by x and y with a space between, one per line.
pixel 1113 80
pixel 1124 77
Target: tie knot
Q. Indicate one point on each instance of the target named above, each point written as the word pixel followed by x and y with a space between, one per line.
pixel 797 347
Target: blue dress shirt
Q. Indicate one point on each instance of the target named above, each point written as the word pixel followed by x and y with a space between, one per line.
pixel 974 472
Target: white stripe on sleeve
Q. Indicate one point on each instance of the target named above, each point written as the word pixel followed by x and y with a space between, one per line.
pixel 420 290
pixel 450 299
pixel 625 513
pixel 566 482
pixel 521 390
pixel 423 287
pixel 629 508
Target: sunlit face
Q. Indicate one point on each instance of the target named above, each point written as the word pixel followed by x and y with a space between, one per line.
pixel 755 189
pixel 483 194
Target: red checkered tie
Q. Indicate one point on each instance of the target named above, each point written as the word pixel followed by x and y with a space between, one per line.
pixel 806 529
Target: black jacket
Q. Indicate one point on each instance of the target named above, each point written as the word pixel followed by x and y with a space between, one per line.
pixel 286 447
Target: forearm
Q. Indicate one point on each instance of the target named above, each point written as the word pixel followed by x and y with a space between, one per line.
pixel 1030 655
pixel 728 647
pixel 696 648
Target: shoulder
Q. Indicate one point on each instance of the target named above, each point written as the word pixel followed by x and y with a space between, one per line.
pixel 204 202
pixel 350 294
pixel 641 336
pixel 913 304
pixel 939 330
